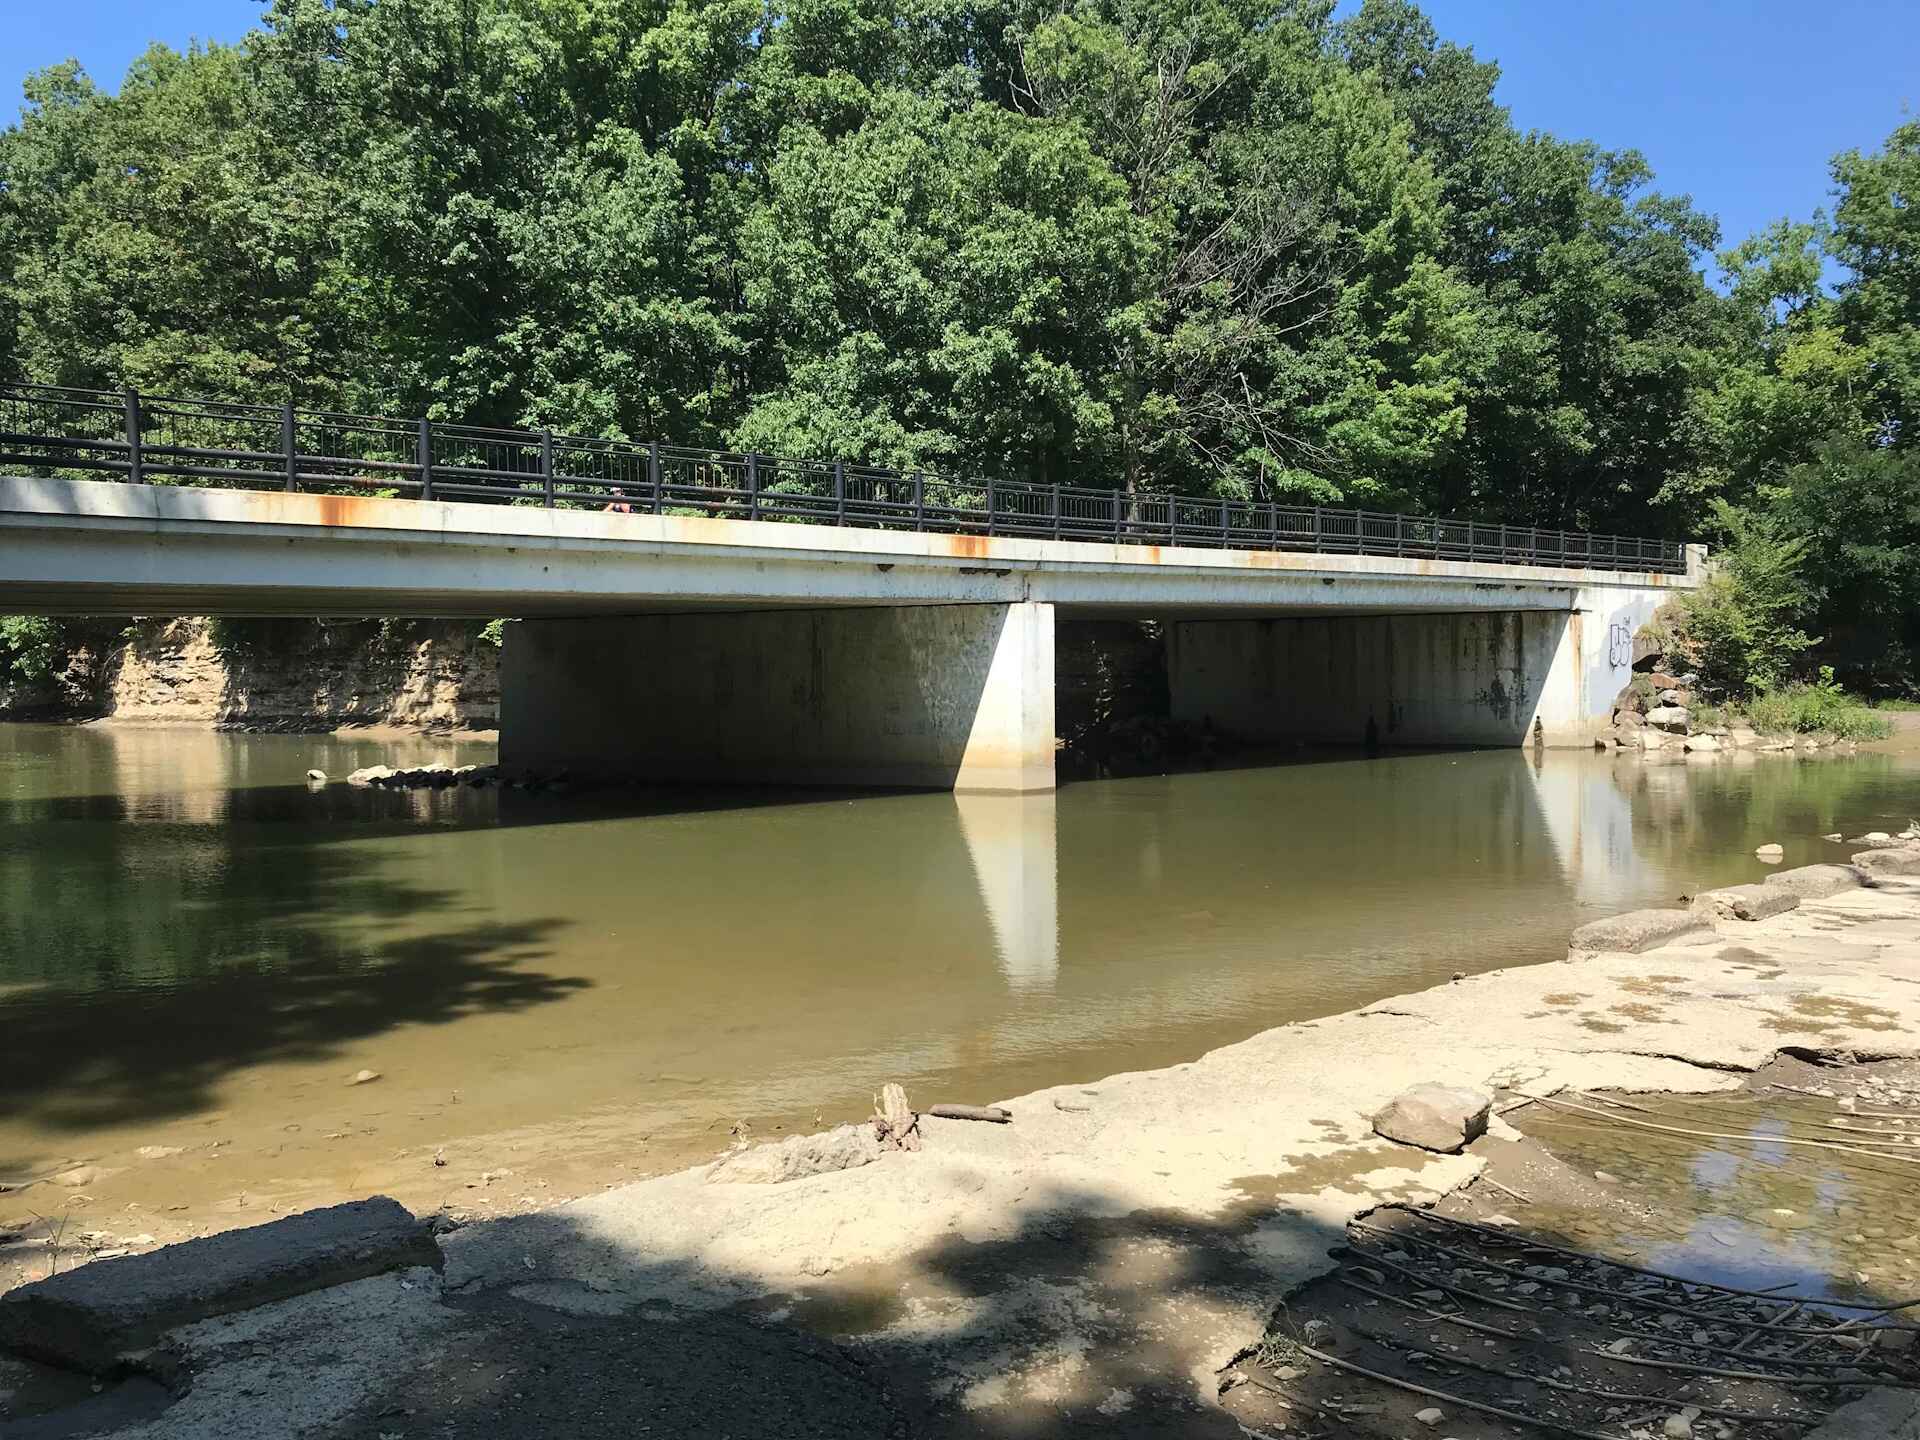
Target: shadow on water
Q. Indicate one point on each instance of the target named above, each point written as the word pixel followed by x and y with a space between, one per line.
pixel 153 973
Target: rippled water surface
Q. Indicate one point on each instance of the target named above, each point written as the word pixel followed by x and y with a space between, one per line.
pixel 196 952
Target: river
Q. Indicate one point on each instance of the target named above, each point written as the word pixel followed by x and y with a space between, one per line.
pixel 198 953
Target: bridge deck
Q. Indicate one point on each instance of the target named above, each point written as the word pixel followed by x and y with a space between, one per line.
pixel 105 547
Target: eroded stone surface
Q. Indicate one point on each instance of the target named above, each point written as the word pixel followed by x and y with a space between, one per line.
pixel 1639 930
pixel 1442 1118
pixel 90 1317
pixel 1746 902
pixel 1816 882
pixel 796 1158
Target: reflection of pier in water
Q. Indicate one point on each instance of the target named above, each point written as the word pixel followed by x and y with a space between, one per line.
pixel 1014 844
pixel 1587 814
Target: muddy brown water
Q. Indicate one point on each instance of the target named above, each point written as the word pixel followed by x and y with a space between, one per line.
pixel 197 953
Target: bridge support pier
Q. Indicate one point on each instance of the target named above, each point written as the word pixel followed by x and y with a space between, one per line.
pixel 1473 678
pixel 944 697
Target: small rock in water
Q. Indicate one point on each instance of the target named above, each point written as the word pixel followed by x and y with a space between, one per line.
pixel 316 777
pixel 1835 836
pixel 1770 852
pixel 157 1152
pixel 1874 835
pixel 1680 1427
pixel 80 1175
pixel 362 1077
pixel 1606 1178
pixel 1432 1415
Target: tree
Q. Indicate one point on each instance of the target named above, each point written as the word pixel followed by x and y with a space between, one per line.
pixel 1740 629
pixel 1876 236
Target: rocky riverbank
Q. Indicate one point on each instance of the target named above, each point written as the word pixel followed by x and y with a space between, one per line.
pixel 1097 1262
pixel 270 675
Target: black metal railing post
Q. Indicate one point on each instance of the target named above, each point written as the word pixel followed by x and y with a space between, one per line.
pixel 337 444
pixel 136 466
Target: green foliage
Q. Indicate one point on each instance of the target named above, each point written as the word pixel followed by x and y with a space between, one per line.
pixel 31 647
pixel 494 633
pixel 1819 707
pixel 1211 247
pixel 1739 630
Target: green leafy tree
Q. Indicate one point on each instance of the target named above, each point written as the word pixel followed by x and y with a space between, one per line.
pixel 1740 630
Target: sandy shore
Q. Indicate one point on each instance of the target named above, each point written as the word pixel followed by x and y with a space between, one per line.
pixel 1096 1262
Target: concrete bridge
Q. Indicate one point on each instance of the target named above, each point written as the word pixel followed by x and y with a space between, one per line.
pixel 763 650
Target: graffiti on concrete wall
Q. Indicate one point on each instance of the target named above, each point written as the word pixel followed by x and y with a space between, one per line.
pixel 1619 646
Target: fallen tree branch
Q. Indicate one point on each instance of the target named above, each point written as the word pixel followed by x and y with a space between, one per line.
pixel 993 1114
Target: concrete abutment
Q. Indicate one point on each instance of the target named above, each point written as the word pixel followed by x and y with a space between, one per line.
pixel 1483 677
pixel 947 697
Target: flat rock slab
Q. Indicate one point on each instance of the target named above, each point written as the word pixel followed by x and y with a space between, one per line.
pixel 1442 1118
pixel 1902 860
pixel 1816 882
pixel 93 1317
pixel 845 1148
pixel 1639 930
pixel 1746 902
pixel 1878 1415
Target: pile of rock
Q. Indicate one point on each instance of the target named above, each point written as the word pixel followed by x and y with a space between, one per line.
pixel 1656 710
pixel 425 777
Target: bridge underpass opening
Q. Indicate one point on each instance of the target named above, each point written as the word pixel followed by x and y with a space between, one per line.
pixel 937 697
pixel 964 697
pixel 1484 677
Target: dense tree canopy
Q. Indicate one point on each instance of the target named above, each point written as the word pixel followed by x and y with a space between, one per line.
pixel 1210 246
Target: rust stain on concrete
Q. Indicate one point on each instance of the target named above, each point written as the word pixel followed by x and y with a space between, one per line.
pixel 968 547
pixel 344 509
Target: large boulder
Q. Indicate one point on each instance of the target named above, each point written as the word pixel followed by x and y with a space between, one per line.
pixel 1701 745
pixel 1816 882
pixel 1646 651
pixel 1901 860
pixel 1745 902
pixel 370 775
pixel 1639 930
pixel 1671 718
pixel 844 1148
pixel 1444 1118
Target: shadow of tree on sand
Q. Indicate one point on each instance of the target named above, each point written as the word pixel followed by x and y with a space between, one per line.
pixel 1079 1322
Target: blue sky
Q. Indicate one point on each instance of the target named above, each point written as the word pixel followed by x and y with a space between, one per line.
pixel 1739 103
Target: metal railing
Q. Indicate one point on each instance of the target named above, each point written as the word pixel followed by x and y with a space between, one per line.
pixel 48 429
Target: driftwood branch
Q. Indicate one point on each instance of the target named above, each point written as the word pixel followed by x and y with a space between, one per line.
pixel 894 1122
pixel 992 1113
